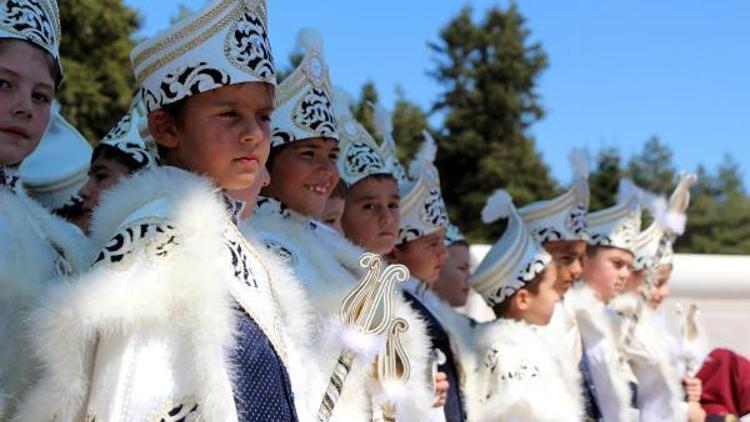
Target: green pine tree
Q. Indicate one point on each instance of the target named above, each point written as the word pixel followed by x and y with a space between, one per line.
pixel 362 110
pixel 96 45
pixel 605 178
pixel 652 169
pixel 489 71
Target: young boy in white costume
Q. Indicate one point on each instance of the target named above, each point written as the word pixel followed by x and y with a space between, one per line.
pixel 559 225
pixel 180 317
pixel 452 285
pixel 370 220
pixel 520 378
pixel 609 257
pixel 35 246
pixel 421 248
pixel 661 395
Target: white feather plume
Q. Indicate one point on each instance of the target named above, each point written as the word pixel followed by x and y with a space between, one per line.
pixel 425 155
pixel 627 191
pixel 309 40
pixel 382 119
pixel 342 101
pixel 579 162
pixel 499 205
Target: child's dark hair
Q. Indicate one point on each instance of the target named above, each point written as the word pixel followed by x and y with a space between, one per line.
pixel 340 191
pixel 501 309
pixel 110 152
pixel 52 66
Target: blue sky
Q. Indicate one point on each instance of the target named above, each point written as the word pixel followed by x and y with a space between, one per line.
pixel 620 71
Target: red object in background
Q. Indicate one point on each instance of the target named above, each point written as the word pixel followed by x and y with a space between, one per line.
pixel 726 383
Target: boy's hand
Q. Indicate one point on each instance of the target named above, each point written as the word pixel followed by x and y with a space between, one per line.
pixel 441 387
pixel 696 412
pixel 693 388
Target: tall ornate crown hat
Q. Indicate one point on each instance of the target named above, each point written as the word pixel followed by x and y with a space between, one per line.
pixel 383 121
pixel 619 225
pixel 514 260
pixel 36 21
pixel 422 208
pixel 58 168
pixel 654 245
pixel 360 156
pixel 304 100
pixel 130 135
pixel 453 235
pixel 563 217
pixel 225 43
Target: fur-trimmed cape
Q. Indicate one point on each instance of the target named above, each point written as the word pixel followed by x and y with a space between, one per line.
pixel 521 378
pixel 37 250
pixel 601 348
pixel 150 329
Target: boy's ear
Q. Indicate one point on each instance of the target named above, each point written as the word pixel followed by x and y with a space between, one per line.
pixel 522 299
pixel 162 128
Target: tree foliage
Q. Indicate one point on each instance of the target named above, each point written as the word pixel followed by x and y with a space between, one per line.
pixel 95 47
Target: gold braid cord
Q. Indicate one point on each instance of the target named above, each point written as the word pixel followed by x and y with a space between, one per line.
pixel 368 308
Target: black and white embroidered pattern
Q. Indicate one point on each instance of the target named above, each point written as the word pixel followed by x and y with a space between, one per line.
pixel 282 252
pixel 247 47
pixel 240 263
pixel 314 113
pixel 158 239
pixel 269 206
pixel 434 212
pixel 408 233
pixel 546 234
pixel 9 179
pixel 181 412
pixel 281 137
pixel 234 207
pixel 360 160
pixel 524 277
pixel 577 222
pixel 184 82
pixel 118 138
pixel 31 20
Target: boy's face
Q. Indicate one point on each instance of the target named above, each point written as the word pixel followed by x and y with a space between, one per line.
pixel 607 270
pixel 103 174
pixel 452 285
pixel 304 174
pixel 333 212
pixel 542 304
pixel 371 214
pixel 635 281
pixel 223 133
pixel 27 89
pixel 423 256
pixel 660 289
pixel 567 256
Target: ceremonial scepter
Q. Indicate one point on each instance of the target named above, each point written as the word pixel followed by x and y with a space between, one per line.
pixel 368 310
pixel 393 370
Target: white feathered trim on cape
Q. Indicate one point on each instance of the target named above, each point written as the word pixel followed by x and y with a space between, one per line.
pixel 28 261
pixel 183 292
pixel 519 346
pixel 601 349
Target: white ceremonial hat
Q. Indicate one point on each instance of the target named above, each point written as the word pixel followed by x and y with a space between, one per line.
pixel 423 210
pixel 563 217
pixel 360 155
pixel 514 260
pixel 383 122
pixel 225 43
pixel 130 135
pixel 58 168
pixel 36 21
pixel 304 100
pixel 669 223
pixel 453 235
pixel 619 225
